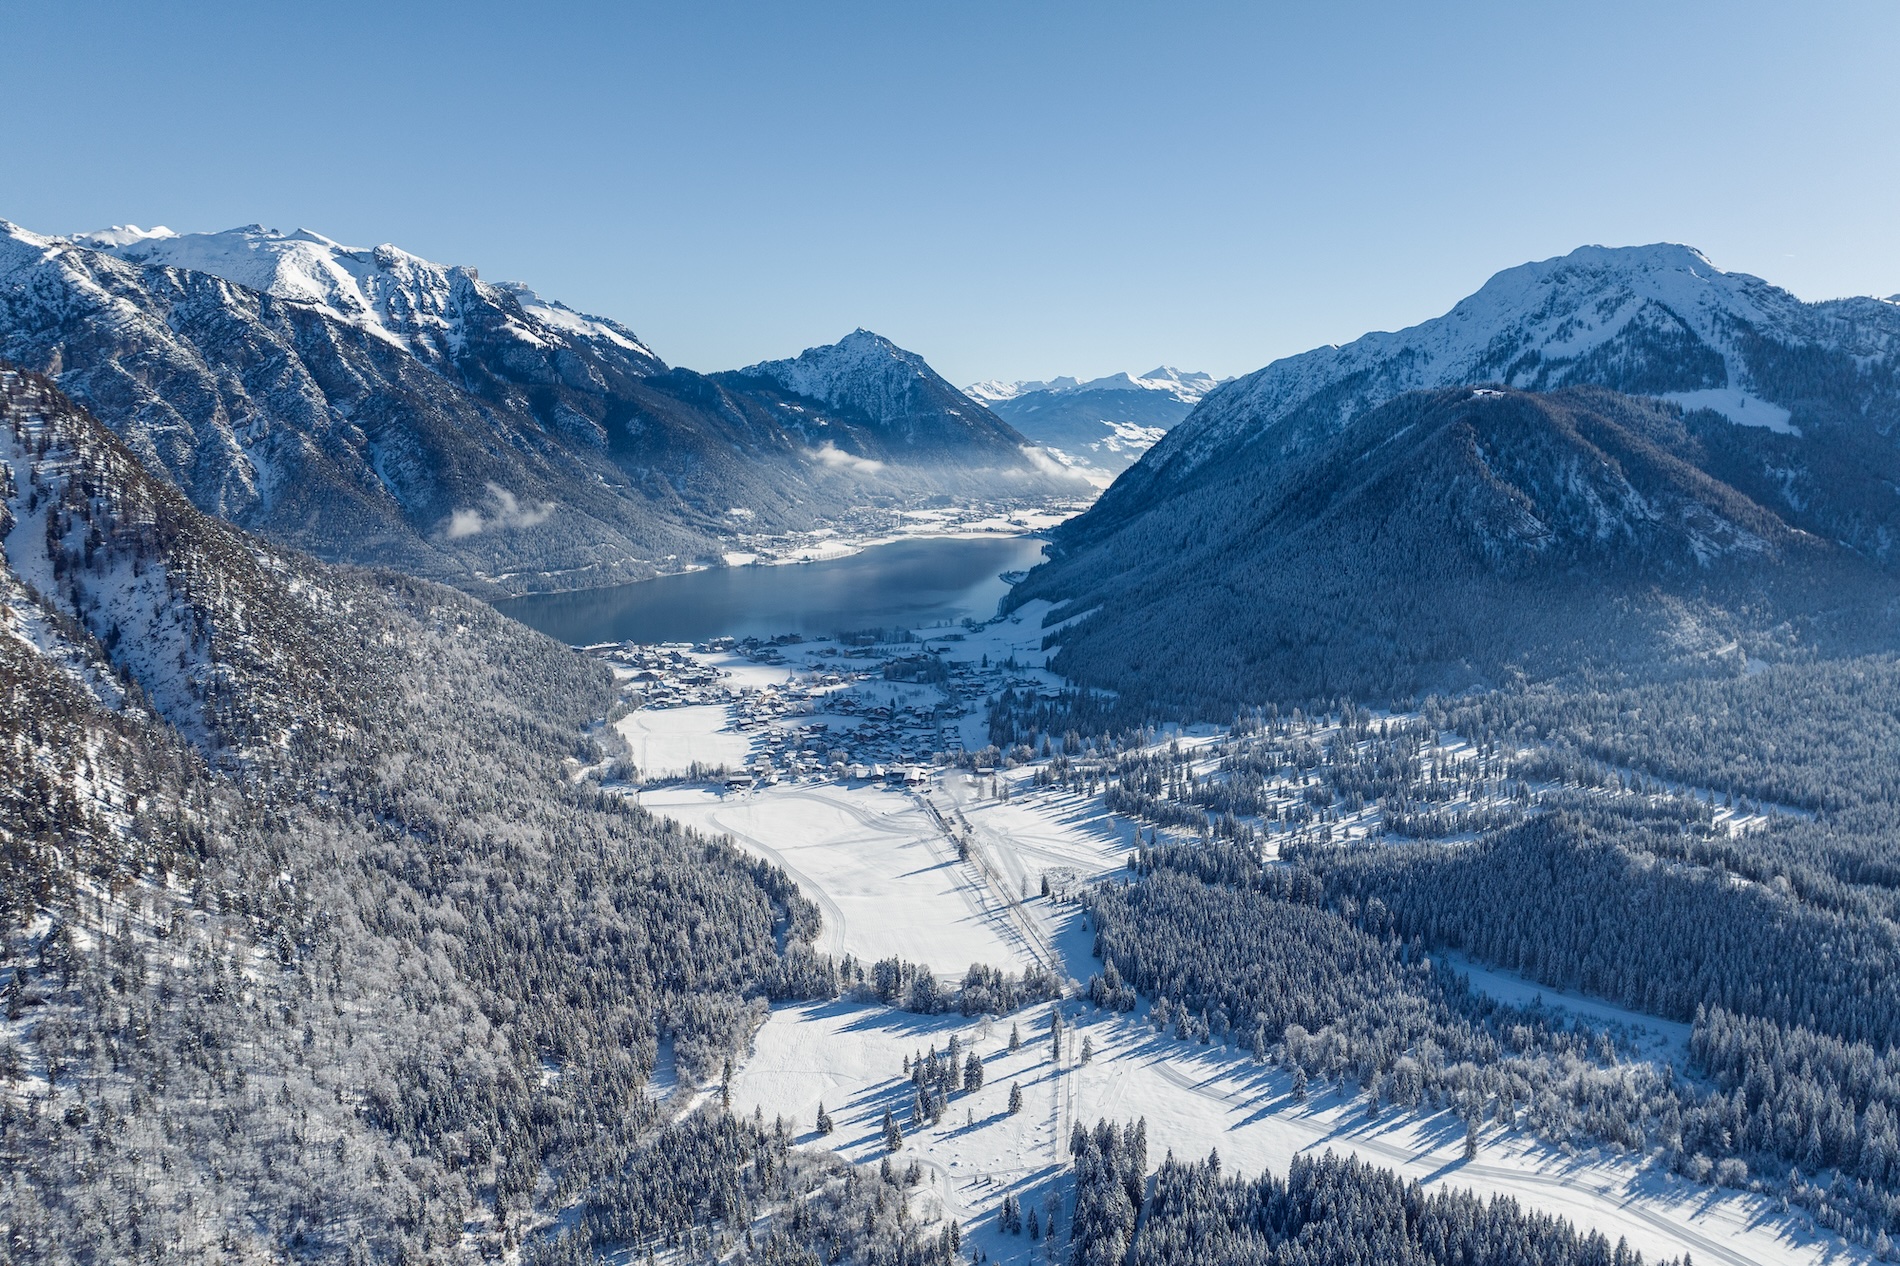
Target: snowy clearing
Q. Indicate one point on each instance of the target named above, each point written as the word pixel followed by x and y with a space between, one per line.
pixel 665 742
pixel 886 879
pixel 849 1057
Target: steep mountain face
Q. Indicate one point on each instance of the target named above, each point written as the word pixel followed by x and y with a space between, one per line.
pixel 307 949
pixel 1105 423
pixel 1444 539
pixel 369 406
pixel 1801 382
pixel 895 397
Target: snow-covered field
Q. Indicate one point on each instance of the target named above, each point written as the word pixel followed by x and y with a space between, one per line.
pixel 886 879
pixel 668 741
pixel 882 865
pixel 1659 1039
pixel 849 1057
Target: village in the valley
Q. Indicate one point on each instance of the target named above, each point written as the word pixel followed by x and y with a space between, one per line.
pixel 865 766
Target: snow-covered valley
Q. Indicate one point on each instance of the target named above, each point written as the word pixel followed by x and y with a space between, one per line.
pixel 880 856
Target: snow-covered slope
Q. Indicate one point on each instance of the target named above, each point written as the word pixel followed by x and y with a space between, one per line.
pixel 112 574
pixel 418 305
pixel 1808 393
pixel 1653 320
pixel 1104 423
pixel 372 407
pixel 895 392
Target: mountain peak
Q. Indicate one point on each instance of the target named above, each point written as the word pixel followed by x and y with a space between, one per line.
pixel 839 374
pixel 1656 320
pixel 895 390
pixel 1104 423
pixel 386 291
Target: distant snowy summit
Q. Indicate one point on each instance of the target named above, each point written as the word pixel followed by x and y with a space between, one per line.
pixel 416 304
pixel 1103 424
pixel 1181 385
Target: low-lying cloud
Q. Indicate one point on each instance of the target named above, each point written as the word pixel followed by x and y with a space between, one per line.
pixel 504 510
pixel 1046 463
pixel 836 458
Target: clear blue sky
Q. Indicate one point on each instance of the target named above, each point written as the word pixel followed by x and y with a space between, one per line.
pixel 1014 190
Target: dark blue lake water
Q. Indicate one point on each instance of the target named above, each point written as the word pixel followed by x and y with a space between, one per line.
pixel 905 583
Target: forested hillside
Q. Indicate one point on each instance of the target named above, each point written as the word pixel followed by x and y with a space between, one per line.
pixel 372 407
pixel 1712 852
pixel 309 947
pixel 1324 1211
pixel 1449 539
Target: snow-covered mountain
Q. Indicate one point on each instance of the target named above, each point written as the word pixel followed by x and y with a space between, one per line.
pixel 1656 320
pixel 1449 539
pixel 1186 386
pixel 370 406
pixel 1786 409
pixel 1104 423
pixel 1653 320
pixel 422 307
pixel 893 391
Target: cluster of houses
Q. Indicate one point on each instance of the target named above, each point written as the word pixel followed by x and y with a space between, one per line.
pixel 856 709
pixel 665 676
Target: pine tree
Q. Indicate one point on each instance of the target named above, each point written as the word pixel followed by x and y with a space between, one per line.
pixel 1015 1098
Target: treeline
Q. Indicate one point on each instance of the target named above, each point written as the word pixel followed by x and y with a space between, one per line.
pixel 1598 906
pixel 1822 736
pixel 908 986
pixel 716 1188
pixel 1327 1211
pixel 1302 969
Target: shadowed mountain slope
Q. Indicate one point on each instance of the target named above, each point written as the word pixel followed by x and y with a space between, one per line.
pixel 1445 539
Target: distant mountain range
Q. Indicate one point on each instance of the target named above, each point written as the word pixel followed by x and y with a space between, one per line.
pixel 1359 520
pixel 369 406
pixel 1104 423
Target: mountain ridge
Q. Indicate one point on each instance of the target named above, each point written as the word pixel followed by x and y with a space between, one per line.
pixel 1793 406
pixel 1102 425
pixel 1446 539
pixel 388 411
pixel 1652 320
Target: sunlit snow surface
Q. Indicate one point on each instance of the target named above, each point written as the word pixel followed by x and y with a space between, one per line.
pixel 1738 407
pixel 887 882
pixel 384 290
